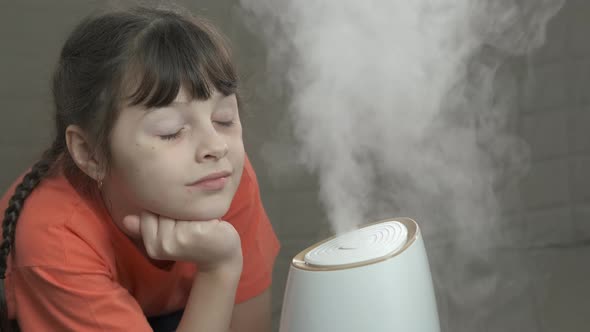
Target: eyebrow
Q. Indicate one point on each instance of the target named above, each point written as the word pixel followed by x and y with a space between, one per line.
pixel 217 96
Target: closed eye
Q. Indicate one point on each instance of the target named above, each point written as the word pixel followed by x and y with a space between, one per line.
pixel 171 137
pixel 225 123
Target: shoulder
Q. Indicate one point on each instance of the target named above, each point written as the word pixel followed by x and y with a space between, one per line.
pixel 247 196
pixel 260 245
pixel 57 227
pixel 248 183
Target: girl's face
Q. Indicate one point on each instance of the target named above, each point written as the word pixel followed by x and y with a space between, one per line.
pixel 162 158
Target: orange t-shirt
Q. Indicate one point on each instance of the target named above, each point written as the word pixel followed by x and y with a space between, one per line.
pixel 74 270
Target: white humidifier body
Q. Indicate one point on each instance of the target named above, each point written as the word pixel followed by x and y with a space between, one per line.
pixel 373 279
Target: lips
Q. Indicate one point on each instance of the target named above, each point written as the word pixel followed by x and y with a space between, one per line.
pixel 213 181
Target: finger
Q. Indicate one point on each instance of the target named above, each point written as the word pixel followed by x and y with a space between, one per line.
pixel 166 236
pixel 201 227
pixel 165 227
pixel 149 231
pixel 205 232
pixel 131 226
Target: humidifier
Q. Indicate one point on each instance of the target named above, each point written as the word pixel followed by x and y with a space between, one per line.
pixel 373 279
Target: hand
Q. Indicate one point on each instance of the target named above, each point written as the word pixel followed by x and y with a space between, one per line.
pixel 211 244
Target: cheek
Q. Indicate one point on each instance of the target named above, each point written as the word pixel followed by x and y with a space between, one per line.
pixel 237 160
pixel 157 167
pixel 236 152
pixel 234 139
pixel 134 154
pixel 146 180
pixel 143 165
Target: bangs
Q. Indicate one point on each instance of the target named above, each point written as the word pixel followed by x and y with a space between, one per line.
pixel 172 54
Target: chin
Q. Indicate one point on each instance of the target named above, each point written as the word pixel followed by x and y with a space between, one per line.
pixel 209 214
pixel 194 209
pixel 205 212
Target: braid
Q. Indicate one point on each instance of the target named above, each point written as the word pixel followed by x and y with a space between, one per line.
pixel 15 205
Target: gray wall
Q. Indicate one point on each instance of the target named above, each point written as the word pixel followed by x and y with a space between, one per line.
pixel 553 199
pixel 551 204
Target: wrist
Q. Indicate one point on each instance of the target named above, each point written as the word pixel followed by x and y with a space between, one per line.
pixel 227 270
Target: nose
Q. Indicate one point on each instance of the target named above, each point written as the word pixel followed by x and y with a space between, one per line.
pixel 211 146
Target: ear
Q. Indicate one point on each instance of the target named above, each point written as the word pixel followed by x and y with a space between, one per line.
pixel 80 149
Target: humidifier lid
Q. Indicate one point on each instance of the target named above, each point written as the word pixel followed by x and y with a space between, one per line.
pixel 365 244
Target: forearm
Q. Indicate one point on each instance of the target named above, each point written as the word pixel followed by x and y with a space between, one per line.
pixel 211 301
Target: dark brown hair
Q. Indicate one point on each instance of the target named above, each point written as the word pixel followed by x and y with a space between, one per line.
pixel 138 56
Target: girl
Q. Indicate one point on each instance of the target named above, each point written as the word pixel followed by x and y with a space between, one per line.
pixel 122 219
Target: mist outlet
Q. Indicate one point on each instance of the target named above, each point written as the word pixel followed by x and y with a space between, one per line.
pixel 361 245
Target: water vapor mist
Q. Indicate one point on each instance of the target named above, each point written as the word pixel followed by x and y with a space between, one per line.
pixel 404 108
